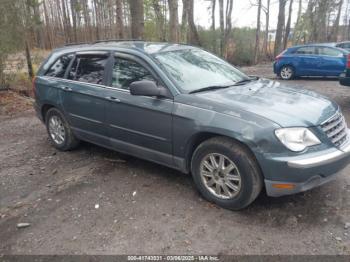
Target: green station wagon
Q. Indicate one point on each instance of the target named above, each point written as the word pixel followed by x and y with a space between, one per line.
pixel 185 108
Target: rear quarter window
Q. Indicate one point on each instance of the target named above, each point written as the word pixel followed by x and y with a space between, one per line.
pixel 58 68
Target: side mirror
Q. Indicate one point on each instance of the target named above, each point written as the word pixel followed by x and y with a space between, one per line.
pixel 148 88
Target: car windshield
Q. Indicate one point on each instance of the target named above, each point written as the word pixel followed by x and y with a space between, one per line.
pixel 194 69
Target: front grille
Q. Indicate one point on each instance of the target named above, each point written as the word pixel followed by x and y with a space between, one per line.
pixel 336 129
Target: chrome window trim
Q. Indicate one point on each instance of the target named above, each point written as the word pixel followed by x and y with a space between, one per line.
pixel 97 85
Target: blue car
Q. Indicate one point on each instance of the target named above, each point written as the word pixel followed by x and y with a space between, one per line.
pixel 311 60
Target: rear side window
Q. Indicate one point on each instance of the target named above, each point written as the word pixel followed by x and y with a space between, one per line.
pixel 58 69
pixel 329 52
pixel 89 68
pixel 126 71
pixel 307 50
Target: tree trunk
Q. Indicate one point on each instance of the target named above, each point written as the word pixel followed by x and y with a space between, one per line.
pixel 173 21
pixel 213 5
pixel 257 35
pixel 48 27
pixel 267 21
pixel 73 6
pixel 193 34
pixel 280 25
pixel 120 24
pixel 66 24
pixel 137 19
pixel 287 31
pixel 296 34
pixel 159 20
pixel 184 20
pixel 222 27
pixel 29 61
pixel 335 28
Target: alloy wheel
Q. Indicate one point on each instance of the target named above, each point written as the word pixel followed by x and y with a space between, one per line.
pixel 220 176
pixel 286 73
pixel 56 130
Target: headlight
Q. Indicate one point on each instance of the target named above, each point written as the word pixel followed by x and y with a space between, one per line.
pixel 296 138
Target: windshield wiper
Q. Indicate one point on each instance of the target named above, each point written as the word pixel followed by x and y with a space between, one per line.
pixel 209 88
pixel 245 80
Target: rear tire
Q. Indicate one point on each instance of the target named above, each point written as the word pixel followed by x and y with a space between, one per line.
pixel 287 72
pixel 238 176
pixel 59 131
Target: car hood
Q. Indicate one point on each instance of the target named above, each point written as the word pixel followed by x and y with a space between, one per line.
pixel 283 104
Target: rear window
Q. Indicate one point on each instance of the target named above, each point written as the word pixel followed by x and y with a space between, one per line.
pixel 307 50
pixel 58 69
pixel 88 68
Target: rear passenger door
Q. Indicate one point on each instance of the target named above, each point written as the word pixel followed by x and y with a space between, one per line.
pixel 307 61
pixel 82 95
pixel 139 125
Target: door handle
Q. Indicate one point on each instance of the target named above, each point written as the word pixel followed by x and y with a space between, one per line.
pixel 114 99
pixel 66 88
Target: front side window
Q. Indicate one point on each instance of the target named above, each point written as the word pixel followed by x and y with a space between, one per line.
pixel 329 52
pixel 88 68
pixel 58 69
pixel 193 69
pixel 126 71
pixel 308 50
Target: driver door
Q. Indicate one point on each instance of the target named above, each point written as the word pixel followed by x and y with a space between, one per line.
pixel 139 125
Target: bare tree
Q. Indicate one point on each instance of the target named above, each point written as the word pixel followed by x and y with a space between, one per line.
pixel 335 27
pixel 160 20
pixel 229 7
pixel 222 27
pixel 184 20
pixel 287 31
pixel 137 19
pixel 173 21
pixel 280 25
pixel 257 34
pixel 119 18
pixel 193 34
pixel 267 22
pixel 213 5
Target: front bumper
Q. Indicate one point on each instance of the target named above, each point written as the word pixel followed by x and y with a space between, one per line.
pixel 344 80
pixel 304 172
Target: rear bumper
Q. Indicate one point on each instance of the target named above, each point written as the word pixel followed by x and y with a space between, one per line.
pixel 275 68
pixel 308 171
pixel 38 111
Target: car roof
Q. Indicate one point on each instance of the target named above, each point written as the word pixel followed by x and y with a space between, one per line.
pixel 143 47
pixel 316 44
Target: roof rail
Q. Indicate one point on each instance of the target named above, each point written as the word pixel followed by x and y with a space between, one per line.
pixel 80 43
pixel 115 40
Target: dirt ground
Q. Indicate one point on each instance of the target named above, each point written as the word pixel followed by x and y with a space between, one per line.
pixel 96 201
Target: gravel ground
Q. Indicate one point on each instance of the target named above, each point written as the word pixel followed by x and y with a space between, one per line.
pixel 96 201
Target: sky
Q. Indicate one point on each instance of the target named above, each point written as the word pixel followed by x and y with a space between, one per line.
pixel 243 14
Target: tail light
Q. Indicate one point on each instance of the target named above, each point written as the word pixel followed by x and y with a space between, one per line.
pixel 280 56
pixel 348 63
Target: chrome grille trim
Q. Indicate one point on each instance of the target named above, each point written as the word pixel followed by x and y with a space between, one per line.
pixel 336 129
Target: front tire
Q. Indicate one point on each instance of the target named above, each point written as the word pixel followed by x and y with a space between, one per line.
pixel 287 72
pixel 226 173
pixel 59 131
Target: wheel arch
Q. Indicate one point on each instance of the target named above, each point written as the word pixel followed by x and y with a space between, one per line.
pixel 44 109
pixel 200 137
